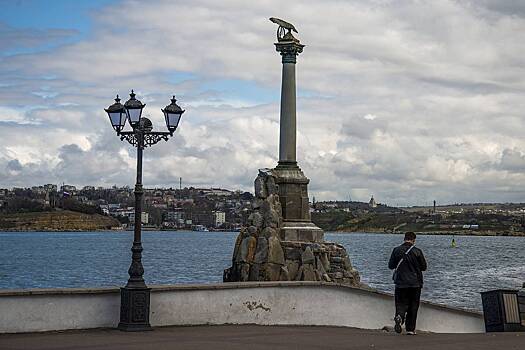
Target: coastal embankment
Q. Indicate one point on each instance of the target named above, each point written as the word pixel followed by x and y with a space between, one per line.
pixel 478 233
pixel 59 220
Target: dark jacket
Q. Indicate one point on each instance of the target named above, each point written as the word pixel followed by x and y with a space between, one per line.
pixel 409 274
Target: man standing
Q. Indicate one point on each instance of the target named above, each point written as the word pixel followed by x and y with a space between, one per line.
pixel 408 262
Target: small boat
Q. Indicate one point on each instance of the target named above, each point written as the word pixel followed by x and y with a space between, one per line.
pixel 453 243
pixel 200 228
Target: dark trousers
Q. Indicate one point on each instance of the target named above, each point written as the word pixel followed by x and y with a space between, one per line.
pixel 407 304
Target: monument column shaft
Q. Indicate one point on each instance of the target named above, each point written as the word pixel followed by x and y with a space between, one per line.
pixel 288 125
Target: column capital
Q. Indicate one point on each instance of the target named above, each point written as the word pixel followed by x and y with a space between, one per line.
pixel 289 50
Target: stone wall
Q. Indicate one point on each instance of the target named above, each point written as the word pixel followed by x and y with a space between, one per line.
pixel 262 254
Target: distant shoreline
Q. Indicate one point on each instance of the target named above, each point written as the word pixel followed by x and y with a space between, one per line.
pixel 147 229
pixel 442 233
pixel 58 231
pixel 423 233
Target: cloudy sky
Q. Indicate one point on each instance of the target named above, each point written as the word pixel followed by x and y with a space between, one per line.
pixel 408 101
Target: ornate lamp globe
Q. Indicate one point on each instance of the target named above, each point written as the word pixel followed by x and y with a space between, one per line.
pixel 172 114
pixel 133 109
pixel 117 115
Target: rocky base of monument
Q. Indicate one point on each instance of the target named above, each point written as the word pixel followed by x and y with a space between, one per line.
pixel 261 255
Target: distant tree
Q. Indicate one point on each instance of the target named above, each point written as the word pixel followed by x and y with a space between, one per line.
pixel 123 219
pixel 246 196
pixel 74 205
pixel 155 215
pixel 24 205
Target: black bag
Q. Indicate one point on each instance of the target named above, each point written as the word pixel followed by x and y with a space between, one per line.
pixel 394 275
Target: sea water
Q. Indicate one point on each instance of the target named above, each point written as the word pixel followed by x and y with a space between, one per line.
pixel 91 259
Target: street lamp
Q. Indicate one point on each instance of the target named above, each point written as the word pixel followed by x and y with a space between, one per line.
pixel 172 114
pixel 135 296
pixel 117 115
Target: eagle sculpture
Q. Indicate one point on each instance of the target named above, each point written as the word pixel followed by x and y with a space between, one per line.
pixel 281 30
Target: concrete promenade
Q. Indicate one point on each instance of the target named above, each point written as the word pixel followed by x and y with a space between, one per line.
pixel 258 337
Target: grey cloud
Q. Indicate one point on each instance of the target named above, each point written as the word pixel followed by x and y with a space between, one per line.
pixel 512 160
pixel 15 174
pixel 361 127
pixel 14 165
pixel 470 85
pixel 444 80
pixel 507 7
pixel 77 166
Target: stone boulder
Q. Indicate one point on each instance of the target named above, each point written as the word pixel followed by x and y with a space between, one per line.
pixel 275 251
pixel 260 254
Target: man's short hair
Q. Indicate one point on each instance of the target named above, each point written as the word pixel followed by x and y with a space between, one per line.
pixel 410 236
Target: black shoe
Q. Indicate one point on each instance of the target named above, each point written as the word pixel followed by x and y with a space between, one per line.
pixel 398 321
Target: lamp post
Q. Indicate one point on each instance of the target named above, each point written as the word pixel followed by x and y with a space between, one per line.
pixel 135 296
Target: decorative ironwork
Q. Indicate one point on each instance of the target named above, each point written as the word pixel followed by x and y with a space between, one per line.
pixel 136 270
pixel 129 136
pixel 140 307
pixel 124 305
pixel 150 138
pixel 134 309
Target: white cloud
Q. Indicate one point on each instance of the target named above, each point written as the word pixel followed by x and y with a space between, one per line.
pixel 410 101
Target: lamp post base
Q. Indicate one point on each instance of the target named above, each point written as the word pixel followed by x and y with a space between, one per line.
pixel 134 309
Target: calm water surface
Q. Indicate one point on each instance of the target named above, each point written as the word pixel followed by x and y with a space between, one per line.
pixel 50 260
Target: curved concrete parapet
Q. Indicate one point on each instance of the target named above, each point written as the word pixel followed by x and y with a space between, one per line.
pixel 37 310
pixel 264 303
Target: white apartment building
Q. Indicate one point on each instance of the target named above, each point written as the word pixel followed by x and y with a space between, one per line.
pixel 219 218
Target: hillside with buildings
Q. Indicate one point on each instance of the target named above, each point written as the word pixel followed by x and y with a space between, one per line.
pixel 49 207
pixel 164 208
pixel 468 219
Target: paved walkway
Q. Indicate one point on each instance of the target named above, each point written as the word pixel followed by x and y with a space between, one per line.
pixel 258 337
